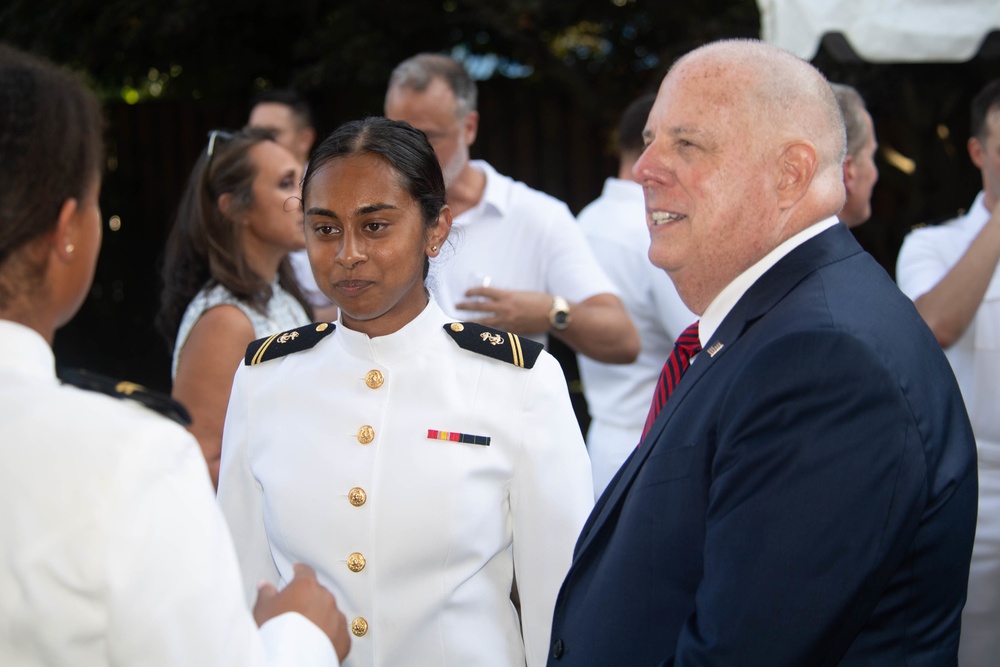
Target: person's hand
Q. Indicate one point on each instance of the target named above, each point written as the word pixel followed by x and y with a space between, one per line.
pixel 523 313
pixel 308 597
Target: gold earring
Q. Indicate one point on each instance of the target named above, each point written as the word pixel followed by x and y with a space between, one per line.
pixel 70 248
pixel 434 248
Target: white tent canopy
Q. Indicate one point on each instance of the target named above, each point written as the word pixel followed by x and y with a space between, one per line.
pixel 882 31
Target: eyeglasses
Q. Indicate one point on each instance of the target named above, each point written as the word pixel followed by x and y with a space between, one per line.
pixel 214 135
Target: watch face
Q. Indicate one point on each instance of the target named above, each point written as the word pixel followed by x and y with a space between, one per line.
pixel 561 318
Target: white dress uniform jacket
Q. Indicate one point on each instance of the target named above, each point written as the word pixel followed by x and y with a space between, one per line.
pixel 112 548
pixel 349 456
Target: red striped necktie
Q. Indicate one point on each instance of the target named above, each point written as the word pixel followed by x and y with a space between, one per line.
pixel 686 346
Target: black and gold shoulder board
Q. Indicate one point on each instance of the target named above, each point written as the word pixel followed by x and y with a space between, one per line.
pixel 502 345
pixel 153 400
pixel 286 342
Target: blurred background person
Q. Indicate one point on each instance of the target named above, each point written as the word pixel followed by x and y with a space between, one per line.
pixel 114 550
pixel 949 271
pixel 444 458
pixel 226 275
pixel 618 395
pixel 519 262
pixel 289 117
pixel 860 172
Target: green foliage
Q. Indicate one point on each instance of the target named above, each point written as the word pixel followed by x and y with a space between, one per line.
pixel 140 50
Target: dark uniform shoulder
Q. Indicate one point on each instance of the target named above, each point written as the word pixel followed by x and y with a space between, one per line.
pixel 153 400
pixel 286 342
pixel 938 220
pixel 494 343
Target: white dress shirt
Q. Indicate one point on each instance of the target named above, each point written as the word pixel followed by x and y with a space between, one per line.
pixel 516 238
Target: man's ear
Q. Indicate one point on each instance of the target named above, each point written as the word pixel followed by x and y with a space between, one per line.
pixel 797 167
pixel 976 152
pixel 850 174
pixel 470 127
pixel 307 137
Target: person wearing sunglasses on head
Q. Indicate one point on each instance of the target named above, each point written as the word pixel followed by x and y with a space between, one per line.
pixel 227 279
pixel 112 548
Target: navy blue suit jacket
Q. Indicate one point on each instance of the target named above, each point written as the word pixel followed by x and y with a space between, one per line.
pixel 806 497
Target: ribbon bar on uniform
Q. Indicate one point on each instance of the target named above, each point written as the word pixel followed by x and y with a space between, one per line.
pixel 452 436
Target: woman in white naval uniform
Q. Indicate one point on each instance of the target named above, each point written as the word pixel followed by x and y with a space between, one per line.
pixel 112 548
pixel 417 463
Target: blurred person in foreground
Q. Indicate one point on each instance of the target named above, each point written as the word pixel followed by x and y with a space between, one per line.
pixel 287 115
pixel 517 261
pixel 806 493
pixel 949 270
pixel 112 548
pixel 860 172
pixel 226 274
pixel 615 226
pixel 442 457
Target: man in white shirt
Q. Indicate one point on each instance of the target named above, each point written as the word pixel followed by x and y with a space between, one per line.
pixel 618 395
pixel 949 271
pixel 517 261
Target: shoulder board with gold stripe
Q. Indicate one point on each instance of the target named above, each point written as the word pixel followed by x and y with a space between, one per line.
pixel 502 345
pixel 286 342
pixel 153 400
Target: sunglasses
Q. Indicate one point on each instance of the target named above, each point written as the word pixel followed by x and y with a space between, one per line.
pixel 213 137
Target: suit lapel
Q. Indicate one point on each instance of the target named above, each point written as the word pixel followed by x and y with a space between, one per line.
pixel 831 245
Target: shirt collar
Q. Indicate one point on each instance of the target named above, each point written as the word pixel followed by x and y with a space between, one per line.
pixel 734 291
pixel 977 215
pixel 26 352
pixel 496 195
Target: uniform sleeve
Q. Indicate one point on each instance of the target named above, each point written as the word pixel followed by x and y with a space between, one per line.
pixel 174 590
pixel 920 265
pixel 819 483
pixel 551 497
pixel 240 494
pixel 573 271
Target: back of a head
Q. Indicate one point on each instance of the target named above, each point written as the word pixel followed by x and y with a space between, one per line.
pixel 301 109
pixel 51 148
pixel 852 108
pixel 633 123
pixel 404 148
pixel 416 73
pixel 985 102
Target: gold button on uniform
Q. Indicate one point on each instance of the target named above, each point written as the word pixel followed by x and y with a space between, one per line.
pixel 323 326
pixel 374 379
pixel 359 627
pixel 457 326
pixel 366 434
pixel 355 562
pixel 357 496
